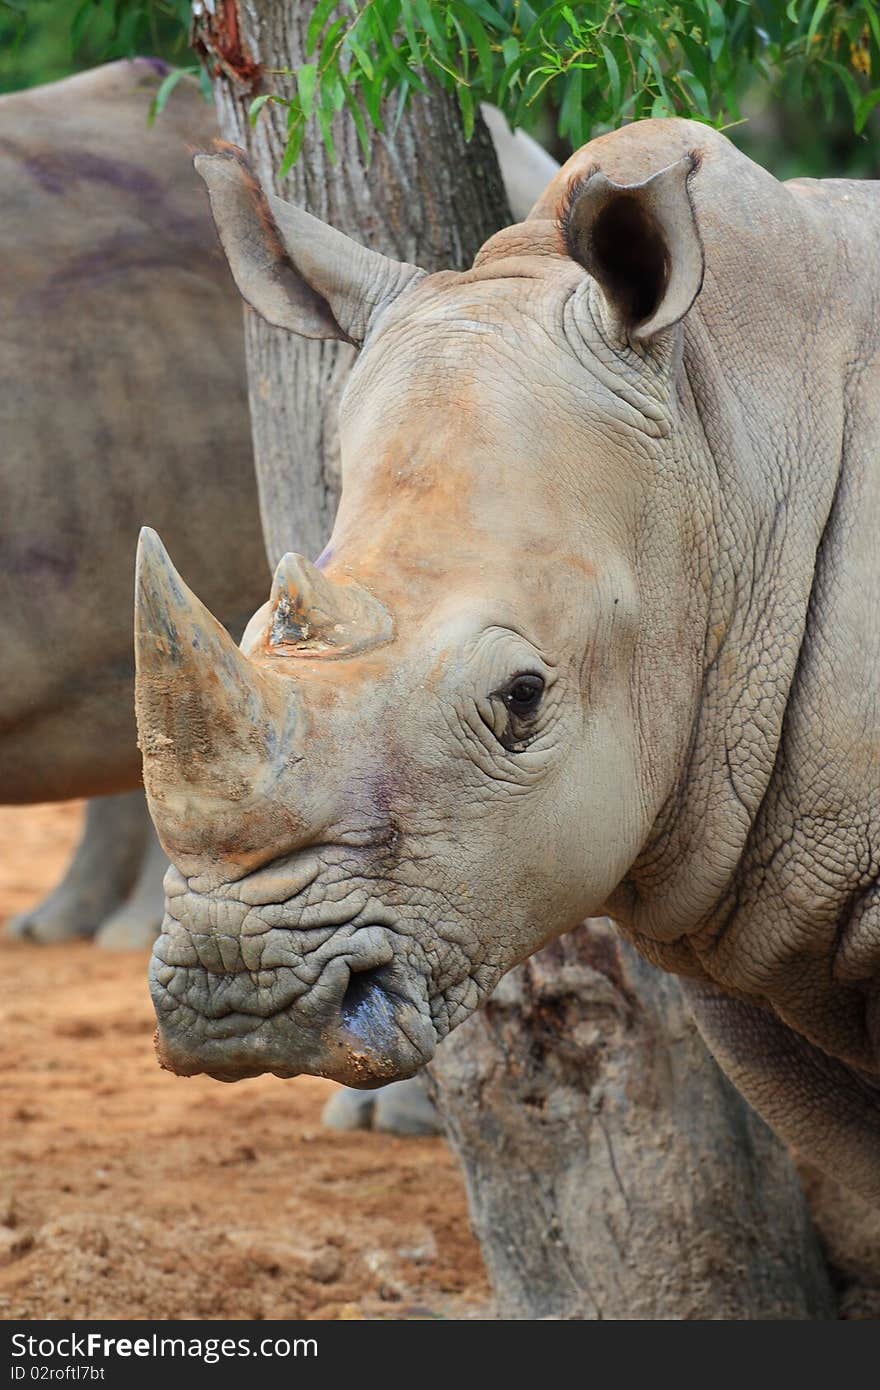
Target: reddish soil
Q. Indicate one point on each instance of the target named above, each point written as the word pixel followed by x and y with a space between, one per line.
pixel 128 1193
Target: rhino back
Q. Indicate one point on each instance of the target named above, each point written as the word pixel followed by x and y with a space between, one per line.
pixel 123 403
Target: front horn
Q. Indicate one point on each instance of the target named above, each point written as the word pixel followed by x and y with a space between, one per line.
pixel 208 720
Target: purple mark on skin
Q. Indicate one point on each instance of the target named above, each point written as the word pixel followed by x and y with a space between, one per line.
pixel 324 558
pixel 34 562
pixel 157 64
pixel 57 173
pixel 122 254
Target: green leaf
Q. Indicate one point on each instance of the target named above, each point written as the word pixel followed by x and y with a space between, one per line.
pixel 402 99
pixel 870 13
pixel 511 76
pixel 849 85
pixel 570 107
pixel 392 58
pixel 480 40
pixel 826 93
pixel 425 12
pixel 653 62
pixel 717 28
pixel 392 62
pixel 373 93
pixel 463 57
pixel 411 33
pixel 322 13
pixel 660 36
pixel 294 114
pixel 698 58
pixel 360 124
pixel 362 56
pixel 306 78
pixel 80 23
pixel 694 86
pixel 129 29
pixel 613 74
pixel 866 106
pixel 166 87
pixel 816 20
pixel 490 15
pixel 257 105
pixel 527 14
pixel 333 92
pixel 325 120
pixel 294 147
pixel 328 46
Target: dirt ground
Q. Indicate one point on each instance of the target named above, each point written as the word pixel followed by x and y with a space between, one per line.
pixel 128 1193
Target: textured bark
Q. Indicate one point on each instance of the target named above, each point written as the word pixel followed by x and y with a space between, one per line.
pixel 611 1169
pixel 427 197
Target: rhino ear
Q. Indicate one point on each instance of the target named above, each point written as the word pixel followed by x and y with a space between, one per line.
pixel 297 272
pixel 642 245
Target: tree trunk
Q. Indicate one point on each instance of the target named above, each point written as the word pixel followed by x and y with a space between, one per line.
pixel 428 197
pixel 612 1171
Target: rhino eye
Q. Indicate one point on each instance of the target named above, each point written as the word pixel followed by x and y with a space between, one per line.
pixel 523 695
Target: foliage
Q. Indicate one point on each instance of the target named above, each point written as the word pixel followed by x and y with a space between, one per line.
pixel 45 40
pixel 599 63
pixel 583 67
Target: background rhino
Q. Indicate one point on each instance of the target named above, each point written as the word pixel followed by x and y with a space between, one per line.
pixel 477 720
pixel 123 396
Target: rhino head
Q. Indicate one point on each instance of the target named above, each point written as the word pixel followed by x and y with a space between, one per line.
pixel 454 735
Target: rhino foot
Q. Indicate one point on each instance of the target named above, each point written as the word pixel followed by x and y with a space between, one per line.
pixel 403 1107
pixel 112 890
pixel 348 1109
pixel 135 923
pixel 60 917
pixel 100 876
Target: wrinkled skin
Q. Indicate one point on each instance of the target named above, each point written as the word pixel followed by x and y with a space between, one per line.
pixel 650 496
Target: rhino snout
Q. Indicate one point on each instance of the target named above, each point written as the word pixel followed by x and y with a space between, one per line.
pixel 351 1015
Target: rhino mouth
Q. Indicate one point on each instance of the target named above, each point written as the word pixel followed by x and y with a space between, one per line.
pixel 384 1029
pixel 364 1020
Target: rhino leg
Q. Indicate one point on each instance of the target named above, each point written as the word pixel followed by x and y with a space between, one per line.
pixel 348 1109
pixel 825 1111
pixel 99 877
pixel 404 1108
pixel 135 923
pixel 849 1229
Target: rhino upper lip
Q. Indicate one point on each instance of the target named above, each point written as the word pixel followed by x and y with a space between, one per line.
pixel 318 854
pixel 377 975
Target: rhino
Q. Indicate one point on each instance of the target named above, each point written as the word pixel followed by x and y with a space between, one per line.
pixel 595 633
pixel 114 287
pixel 118 314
